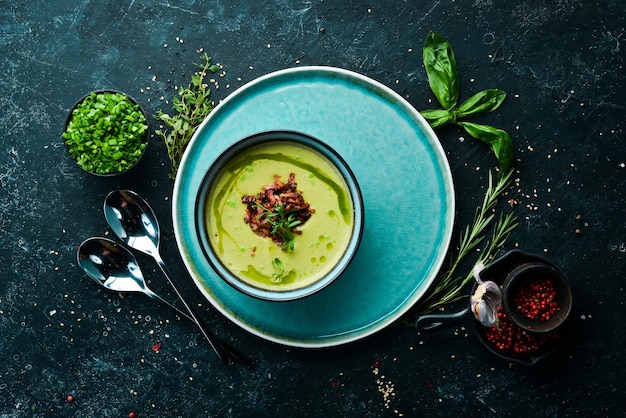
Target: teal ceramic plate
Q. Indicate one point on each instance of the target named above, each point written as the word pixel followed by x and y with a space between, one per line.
pixel 407 192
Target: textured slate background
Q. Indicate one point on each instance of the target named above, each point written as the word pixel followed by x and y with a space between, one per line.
pixel 562 65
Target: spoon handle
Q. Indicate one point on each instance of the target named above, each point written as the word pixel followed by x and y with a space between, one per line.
pixel 226 353
pixel 182 314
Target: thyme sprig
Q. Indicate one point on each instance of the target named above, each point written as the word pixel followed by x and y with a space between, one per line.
pixel 191 106
pixel 450 286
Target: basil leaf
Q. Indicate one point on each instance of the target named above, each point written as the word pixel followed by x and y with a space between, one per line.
pixel 498 140
pixel 482 102
pixel 441 70
pixel 437 117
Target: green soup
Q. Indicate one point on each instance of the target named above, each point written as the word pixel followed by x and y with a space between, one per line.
pixel 325 235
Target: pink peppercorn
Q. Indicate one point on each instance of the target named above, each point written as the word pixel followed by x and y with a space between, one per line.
pixel 536 299
pixel 515 340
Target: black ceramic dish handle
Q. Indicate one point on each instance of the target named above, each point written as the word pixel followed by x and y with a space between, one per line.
pixel 432 323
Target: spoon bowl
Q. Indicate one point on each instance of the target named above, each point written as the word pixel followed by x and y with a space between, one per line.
pixel 133 221
pixel 110 265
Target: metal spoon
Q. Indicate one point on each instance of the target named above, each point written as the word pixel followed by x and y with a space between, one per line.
pixel 115 268
pixel 134 222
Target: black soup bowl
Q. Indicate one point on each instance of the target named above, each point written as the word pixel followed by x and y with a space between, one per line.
pixel 232 210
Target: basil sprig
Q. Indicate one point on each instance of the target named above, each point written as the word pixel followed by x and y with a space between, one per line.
pixel 443 78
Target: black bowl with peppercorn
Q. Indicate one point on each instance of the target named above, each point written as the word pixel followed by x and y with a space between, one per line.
pixel 537 297
pixel 106 132
pixel 509 340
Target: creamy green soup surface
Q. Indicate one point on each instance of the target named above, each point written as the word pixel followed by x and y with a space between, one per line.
pixel 325 235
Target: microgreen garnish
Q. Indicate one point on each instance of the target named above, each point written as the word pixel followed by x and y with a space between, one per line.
pixel 191 106
pixel 443 78
pixel 280 270
pixel 282 222
pixel 105 134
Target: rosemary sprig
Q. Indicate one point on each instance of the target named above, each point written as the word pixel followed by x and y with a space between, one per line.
pixel 450 286
pixel 191 106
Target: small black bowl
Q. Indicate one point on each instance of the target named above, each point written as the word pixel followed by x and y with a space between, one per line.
pixel 537 270
pixel 144 138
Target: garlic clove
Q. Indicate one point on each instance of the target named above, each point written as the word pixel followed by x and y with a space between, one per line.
pixel 485 303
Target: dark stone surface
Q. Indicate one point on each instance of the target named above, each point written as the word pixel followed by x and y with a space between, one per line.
pixel 562 65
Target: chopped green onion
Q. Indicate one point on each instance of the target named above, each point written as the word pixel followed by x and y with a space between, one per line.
pixel 105 134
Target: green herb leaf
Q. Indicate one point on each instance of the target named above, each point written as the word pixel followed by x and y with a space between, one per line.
pixel 498 140
pixel 437 117
pixel 482 102
pixel 278 264
pixel 280 269
pixel 441 69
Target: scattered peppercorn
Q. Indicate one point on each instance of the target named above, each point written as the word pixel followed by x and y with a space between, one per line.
pixel 70 398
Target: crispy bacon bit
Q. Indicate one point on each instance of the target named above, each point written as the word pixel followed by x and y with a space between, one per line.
pixel 269 200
